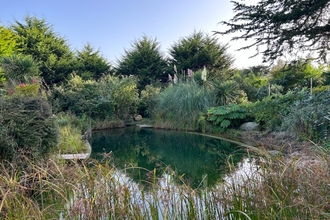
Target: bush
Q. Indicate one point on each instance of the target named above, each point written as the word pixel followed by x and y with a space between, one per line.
pixel 308 117
pixel 27 126
pixel 270 111
pixel 110 97
pixel 147 100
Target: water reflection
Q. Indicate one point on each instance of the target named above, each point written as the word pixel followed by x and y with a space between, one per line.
pixel 196 160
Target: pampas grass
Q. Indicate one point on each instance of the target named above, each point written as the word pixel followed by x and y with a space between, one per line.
pixel 179 106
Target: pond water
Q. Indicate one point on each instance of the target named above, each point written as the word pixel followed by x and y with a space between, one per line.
pixel 146 154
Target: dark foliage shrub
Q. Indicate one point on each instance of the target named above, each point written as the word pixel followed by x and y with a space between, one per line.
pixel 309 117
pixel 110 97
pixel 270 111
pixel 27 126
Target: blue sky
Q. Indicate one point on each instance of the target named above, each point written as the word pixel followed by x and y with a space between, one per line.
pixel 112 25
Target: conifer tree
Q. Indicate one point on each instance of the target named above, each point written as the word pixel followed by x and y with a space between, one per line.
pixel 283 26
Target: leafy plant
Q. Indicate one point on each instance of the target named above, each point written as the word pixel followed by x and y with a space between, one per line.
pixel 270 111
pixel 226 115
pixel 309 117
pixel 18 67
pixel 147 100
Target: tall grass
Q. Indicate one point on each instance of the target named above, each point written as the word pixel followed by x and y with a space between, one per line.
pixel 273 188
pixel 70 134
pixel 179 106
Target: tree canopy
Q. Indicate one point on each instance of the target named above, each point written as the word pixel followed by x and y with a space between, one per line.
pixel 90 63
pixel 36 38
pixel 145 61
pixel 8 43
pixel 283 26
pixel 199 50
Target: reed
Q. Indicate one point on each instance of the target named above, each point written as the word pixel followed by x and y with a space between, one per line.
pixel 273 188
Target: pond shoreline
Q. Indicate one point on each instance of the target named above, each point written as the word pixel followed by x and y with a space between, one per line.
pixel 260 141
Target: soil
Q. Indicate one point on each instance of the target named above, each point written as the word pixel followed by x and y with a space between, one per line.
pixel 276 141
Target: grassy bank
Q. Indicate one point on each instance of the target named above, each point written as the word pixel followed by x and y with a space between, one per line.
pixel 276 188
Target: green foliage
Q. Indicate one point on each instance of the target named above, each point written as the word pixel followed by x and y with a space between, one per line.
pixel 282 27
pixel 226 116
pixel 308 117
pixel 27 127
pixel 296 75
pixel 200 50
pixel 270 111
pixel 36 38
pixel 145 61
pixel 254 82
pixel 19 67
pixel 110 97
pixel 78 96
pixel 70 134
pixel 8 42
pixel 179 106
pixel 90 64
pixel 125 96
pixel 31 90
pixel 228 92
pixel 148 100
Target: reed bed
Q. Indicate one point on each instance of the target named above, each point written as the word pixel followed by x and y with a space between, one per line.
pixel 267 188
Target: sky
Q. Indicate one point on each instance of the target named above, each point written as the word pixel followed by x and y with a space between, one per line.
pixel 111 26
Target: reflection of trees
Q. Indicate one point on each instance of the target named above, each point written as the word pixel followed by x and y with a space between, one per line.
pixel 190 156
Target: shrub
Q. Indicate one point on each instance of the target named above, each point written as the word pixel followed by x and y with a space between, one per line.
pixel 78 96
pixel 270 111
pixel 27 125
pixel 308 117
pixel 147 100
pixel 70 141
pixel 110 97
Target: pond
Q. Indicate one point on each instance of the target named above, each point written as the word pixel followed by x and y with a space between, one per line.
pixel 146 154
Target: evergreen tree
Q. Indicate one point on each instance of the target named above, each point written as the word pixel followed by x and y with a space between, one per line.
pixel 198 51
pixel 8 42
pixel 283 26
pixel 51 52
pixel 90 64
pixel 145 61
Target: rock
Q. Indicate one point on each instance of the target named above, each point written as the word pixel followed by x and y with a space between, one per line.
pixel 249 126
pixel 138 118
pixel 274 153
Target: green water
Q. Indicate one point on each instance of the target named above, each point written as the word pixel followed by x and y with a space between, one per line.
pixel 145 154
